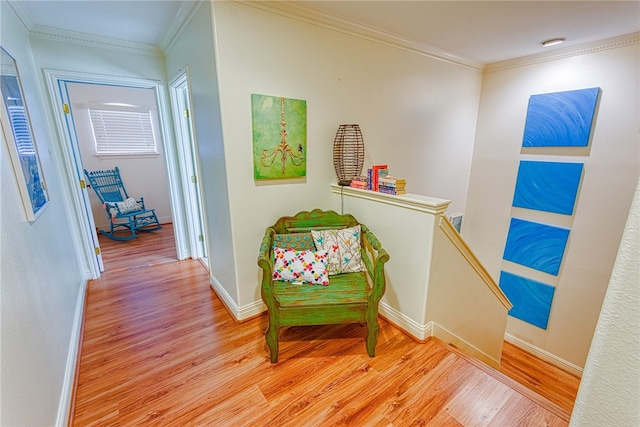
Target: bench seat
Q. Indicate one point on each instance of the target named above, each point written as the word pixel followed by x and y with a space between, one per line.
pixel 348 288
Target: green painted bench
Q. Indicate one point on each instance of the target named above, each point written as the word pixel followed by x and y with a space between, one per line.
pixel 349 297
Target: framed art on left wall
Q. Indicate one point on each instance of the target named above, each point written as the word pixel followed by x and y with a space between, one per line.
pixel 18 135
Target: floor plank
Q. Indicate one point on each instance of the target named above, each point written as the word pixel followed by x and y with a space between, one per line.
pixel 159 348
pixel 542 377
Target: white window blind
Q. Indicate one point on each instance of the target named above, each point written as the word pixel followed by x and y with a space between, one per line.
pixel 122 132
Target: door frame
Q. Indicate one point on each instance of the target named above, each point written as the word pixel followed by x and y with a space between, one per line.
pixel 80 224
pixel 187 155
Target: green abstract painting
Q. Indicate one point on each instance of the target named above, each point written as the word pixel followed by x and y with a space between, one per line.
pixel 279 137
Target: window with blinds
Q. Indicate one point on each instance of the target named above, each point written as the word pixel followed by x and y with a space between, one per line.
pixel 119 132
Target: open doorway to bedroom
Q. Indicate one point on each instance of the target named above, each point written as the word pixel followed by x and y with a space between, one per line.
pixel 79 198
pixel 119 126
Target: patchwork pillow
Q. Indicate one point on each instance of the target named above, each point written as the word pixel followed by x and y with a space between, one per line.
pixel 300 266
pixel 343 249
pixel 297 241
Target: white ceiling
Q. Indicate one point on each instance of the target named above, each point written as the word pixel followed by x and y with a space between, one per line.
pixel 482 31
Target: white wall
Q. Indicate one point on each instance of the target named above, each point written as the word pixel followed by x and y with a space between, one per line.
pixel 40 275
pixel 417 115
pixel 142 176
pixel 609 392
pixel 611 168
pixel 194 47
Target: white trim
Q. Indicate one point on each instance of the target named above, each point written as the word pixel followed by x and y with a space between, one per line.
pixel 306 14
pixel 22 14
pixel 419 331
pixel 408 325
pixel 81 230
pixel 64 405
pixel 583 49
pixel 431 205
pixel 183 17
pixel 473 261
pixel 239 313
pixel 72 191
pixel 545 355
pixel 91 40
pixel 186 145
pixel 432 329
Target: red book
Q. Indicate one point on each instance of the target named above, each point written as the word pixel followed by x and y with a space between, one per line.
pixel 375 169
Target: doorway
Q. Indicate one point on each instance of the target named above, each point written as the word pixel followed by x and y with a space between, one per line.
pixel 98 112
pixel 187 155
pixel 85 236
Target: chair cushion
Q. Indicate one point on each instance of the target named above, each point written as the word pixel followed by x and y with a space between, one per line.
pixel 349 288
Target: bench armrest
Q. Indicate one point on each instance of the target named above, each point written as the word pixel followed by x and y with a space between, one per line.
pixel 374 257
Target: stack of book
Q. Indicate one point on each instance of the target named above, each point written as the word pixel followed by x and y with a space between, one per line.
pixel 360 182
pixel 392 185
pixel 377 172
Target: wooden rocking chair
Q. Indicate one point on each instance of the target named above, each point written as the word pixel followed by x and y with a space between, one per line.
pixel 124 212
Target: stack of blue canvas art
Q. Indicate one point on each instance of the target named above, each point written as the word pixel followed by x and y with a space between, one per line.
pixel 561 119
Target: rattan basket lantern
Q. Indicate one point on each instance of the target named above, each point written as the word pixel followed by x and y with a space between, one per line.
pixel 348 153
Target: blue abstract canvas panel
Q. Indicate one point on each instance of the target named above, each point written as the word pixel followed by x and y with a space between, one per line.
pixel 547 186
pixel 535 245
pixel 560 119
pixel 531 299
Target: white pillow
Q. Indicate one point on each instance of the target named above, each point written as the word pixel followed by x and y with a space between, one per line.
pixel 129 205
pixel 126 206
pixel 343 249
pixel 300 266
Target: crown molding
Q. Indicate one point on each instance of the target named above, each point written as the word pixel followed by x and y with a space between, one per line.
pixel 184 15
pixel 22 14
pixel 582 49
pixel 296 10
pixel 48 33
pixel 91 40
pixel 186 12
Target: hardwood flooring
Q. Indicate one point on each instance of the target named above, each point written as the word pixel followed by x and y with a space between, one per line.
pixel 160 349
pixel 149 248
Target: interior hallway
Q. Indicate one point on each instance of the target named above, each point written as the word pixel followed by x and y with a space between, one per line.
pixel 159 348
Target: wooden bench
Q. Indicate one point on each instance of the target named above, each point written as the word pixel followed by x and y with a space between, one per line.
pixel 349 297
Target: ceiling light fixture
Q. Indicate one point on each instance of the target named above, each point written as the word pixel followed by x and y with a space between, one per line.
pixel 552 42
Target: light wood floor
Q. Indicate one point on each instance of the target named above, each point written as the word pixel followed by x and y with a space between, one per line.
pixel 159 348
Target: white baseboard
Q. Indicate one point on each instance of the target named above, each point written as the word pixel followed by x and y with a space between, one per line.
pixel 165 219
pixel 66 395
pixel 545 355
pixel 408 325
pixel 431 329
pixel 419 331
pixel 238 312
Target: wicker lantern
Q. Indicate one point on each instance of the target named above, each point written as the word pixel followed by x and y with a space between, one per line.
pixel 348 153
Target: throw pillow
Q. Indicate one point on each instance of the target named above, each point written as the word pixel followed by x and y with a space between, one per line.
pixel 297 241
pixel 300 266
pixel 129 205
pixel 126 206
pixel 343 249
